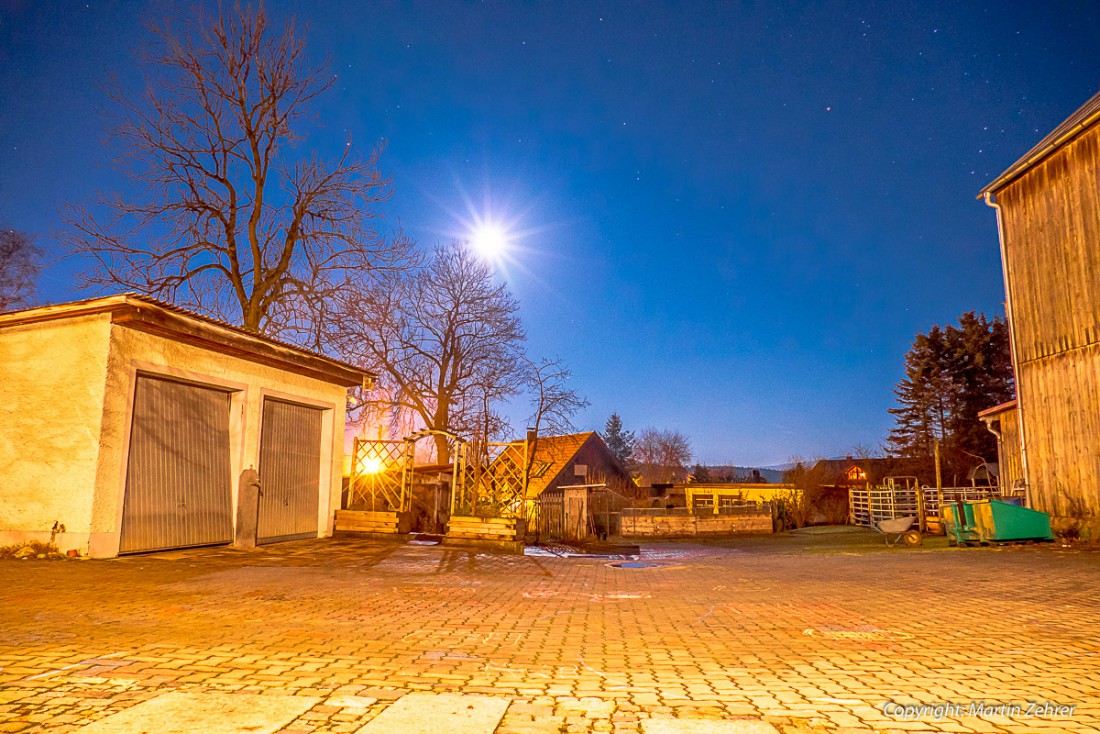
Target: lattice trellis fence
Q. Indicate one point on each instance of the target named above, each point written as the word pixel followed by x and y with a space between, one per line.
pixel 490 480
pixel 378 476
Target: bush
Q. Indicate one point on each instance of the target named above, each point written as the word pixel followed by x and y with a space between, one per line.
pixel 810 503
pixel 22 551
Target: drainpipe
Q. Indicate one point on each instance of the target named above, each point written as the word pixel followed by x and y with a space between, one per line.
pixel 1000 443
pixel 988 198
pixel 989 427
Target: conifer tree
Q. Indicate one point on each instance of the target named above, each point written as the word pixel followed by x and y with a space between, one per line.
pixel 952 373
pixel 619 441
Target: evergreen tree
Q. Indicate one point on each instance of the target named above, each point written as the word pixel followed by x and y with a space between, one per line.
pixel 619 441
pixel 924 395
pixel 982 371
pixel 952 373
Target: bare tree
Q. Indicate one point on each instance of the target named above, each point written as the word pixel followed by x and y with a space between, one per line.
pixel 445 338
pixel 662 456
pixel 810 497
pixel 553 403
pixel 19 267
pixel 863 451
pixel 229 217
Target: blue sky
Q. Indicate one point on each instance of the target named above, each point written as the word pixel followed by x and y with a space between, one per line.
pixel 735 216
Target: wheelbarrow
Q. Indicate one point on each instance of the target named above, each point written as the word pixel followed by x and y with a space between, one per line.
pixel 901 530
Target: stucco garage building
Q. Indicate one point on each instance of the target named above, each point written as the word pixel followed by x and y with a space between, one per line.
pixel 128 422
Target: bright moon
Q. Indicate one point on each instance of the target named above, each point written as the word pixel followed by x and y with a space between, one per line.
pixel 490 240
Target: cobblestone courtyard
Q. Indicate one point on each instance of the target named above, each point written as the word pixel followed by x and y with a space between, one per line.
pixel 801 635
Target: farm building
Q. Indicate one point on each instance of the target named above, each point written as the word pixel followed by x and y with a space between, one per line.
pixel 575 458
pixel 1048 217
pixel 861 472
pixel 126 423
pixel 1004 422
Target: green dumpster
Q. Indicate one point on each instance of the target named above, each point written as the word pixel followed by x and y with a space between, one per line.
pixel 999 522
pixel 959 524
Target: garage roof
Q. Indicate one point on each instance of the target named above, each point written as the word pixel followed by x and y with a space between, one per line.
pixel 157 317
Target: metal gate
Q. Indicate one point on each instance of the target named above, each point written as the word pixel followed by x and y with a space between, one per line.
pixel 290 471
pixel 178 474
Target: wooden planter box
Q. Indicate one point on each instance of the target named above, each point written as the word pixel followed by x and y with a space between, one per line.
pixel 362 522
pixel 498 533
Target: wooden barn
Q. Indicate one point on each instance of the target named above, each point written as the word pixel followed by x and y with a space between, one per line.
pixel 1048 216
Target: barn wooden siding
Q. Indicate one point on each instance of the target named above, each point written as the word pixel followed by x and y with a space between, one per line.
pixel 1051 230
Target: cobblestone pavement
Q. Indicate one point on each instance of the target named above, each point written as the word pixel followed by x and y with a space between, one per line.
pixel 803 636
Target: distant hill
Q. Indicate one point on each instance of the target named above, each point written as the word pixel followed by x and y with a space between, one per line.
pixel 722 472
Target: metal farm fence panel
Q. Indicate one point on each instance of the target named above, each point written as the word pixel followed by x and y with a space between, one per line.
pixel 870 505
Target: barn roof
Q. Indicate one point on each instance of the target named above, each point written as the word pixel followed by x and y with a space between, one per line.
pixel 1084 118
pixel 165 319
pixel 553 454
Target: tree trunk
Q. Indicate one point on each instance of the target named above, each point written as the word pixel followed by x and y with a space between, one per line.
pixel 251 317
pixel 442 450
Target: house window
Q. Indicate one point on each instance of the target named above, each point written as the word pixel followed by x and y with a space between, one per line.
pixel 857 474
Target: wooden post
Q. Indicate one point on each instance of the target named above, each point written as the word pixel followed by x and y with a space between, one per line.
pixel 248 509
pixel 939 473
pixel 939 477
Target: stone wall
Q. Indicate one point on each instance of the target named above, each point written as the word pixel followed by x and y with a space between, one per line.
pixel 682 525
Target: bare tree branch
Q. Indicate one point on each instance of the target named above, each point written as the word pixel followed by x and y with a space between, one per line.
pixel 19 266
pixel 553 403
pixel 662 456
pixel 227 218
pixel 446 340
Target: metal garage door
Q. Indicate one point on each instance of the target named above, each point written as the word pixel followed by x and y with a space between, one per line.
pixel 290 471
pixel 178 477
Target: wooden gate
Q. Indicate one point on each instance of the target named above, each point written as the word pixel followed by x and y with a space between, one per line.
pixel 178 474
pixel 290 471
pixel 548 516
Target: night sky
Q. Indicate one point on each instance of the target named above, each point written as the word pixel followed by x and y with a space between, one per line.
pixel 729 218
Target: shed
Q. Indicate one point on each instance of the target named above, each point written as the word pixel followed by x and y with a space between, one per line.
pixel 1003 422
pixel 125 423
pixel 1048 216
pixel 571 459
